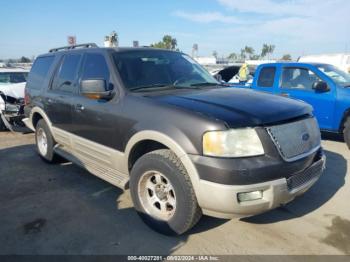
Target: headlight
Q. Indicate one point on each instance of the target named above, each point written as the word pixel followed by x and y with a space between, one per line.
pixel 232 143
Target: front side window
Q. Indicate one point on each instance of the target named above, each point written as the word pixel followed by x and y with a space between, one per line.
pixel 340 77
pixel 298 78
pixel 95 67
pixel 13 77
pixel 152 69
pixel 66 76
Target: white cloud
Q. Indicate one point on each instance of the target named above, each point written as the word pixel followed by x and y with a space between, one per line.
pixel 207 17
pixel 286 7
pixel 296 26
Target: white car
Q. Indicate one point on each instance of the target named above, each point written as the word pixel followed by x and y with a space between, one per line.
pixel 12 84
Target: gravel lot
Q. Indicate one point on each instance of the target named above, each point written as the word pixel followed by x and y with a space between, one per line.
pixel 62 209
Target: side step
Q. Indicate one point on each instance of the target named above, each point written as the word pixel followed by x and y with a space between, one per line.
pixel 106 173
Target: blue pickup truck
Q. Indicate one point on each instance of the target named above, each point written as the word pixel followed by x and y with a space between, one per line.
pixel 323 86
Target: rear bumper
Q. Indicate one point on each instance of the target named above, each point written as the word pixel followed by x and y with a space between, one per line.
pixel 221 200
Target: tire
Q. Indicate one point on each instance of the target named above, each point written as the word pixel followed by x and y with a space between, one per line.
pixel 346 132
pixel 2 125
pixel 175 209
pixel 45 142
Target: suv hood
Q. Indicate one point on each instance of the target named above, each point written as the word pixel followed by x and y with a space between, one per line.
pixel 237 107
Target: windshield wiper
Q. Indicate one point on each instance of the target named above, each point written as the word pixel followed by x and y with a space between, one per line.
pixel 149 87
pixel 168 86
pixel 206 84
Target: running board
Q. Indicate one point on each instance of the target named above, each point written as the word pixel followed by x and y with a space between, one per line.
pixel 108 174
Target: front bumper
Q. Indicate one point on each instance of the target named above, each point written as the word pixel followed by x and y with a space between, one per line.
pixel 220 200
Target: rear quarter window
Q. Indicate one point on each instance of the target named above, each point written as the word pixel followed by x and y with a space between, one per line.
pixel 39 72
pixel 267 76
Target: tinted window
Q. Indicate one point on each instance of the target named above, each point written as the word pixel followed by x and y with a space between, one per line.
pixel 298 78
pixel 39 71
pixel 13 77
pixel 64 80
pixel 95 67
pixel 267 76
pixel 144 69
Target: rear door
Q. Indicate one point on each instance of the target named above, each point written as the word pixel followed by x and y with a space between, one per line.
pixel 59 97
pixel 296 82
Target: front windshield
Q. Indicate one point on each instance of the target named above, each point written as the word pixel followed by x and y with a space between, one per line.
pixel 142 69
pixel 340 77
pixel 13 77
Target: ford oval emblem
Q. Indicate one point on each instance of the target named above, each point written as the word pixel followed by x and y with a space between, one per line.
pixel 305 137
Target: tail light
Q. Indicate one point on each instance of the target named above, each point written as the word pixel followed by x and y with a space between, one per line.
pixel 26 97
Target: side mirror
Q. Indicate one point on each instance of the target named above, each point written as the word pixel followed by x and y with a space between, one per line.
pixel 95 89
pixel 320 86
pixel 218 77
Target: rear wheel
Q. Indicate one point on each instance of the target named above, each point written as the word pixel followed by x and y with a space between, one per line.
pixel 162 193
pixel 347 132
pixel 45 142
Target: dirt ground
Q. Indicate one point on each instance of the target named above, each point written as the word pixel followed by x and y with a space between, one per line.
pixel 62 209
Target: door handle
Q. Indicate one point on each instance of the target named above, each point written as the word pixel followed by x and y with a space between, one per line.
pixel 79 107
pixel 285 94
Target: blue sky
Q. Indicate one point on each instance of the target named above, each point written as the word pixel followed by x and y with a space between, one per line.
pixel 31 27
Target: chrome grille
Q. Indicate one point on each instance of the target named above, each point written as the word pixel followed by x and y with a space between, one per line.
pixel 305 177
pixel 296 139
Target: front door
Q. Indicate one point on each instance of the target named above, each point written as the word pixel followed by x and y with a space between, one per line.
pixel 93 119
pixel 297 82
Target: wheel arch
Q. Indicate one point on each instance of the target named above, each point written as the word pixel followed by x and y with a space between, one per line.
pixel 36 114
pixel 164 141
pixel 342 123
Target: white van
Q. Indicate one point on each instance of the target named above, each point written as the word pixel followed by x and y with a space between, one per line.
pixel 341 60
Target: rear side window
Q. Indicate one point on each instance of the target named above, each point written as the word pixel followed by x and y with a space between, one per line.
pixel 267 76
pixel 39 71
pixel 67 74
pixel 95 67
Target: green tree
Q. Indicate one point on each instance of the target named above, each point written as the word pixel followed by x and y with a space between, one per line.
pixel 286 57
pixel 24 59
pixel 168 42
pixel 243 54
pixel 233 56
pixel 267 50
pixel 255 57
pixel 249 50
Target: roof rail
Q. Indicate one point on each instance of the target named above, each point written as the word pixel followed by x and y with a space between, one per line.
pixel 69 47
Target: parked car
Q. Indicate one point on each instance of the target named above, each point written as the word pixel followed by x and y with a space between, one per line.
pixel 12 83
pixel 342 60
pixel 323 86
pixel 156 122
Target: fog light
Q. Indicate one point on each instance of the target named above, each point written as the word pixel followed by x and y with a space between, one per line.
pixel 249 196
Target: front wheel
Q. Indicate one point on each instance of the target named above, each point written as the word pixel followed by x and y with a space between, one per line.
pixel 163 194
pixel 347 132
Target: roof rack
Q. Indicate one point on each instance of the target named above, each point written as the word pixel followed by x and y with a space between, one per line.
pixel 70 47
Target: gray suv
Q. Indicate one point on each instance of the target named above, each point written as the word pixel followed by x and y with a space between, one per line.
pixel 156 122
